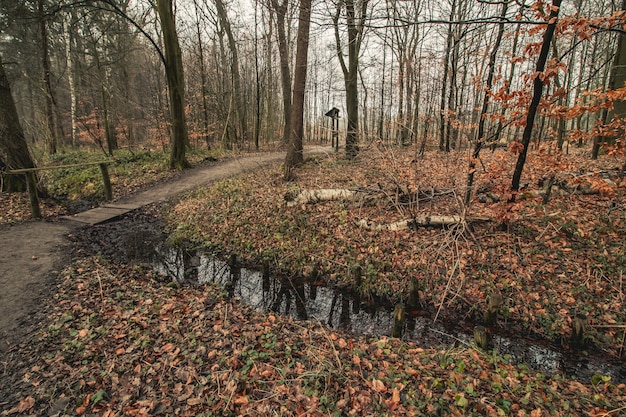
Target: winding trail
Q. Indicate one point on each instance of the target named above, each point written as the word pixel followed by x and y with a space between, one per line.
pixel 31 253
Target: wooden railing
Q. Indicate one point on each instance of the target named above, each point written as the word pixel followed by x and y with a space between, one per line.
pixel 31 181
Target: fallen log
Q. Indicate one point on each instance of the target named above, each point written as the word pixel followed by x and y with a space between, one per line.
pixel 361 195
pixel 332 194
pixel 420 221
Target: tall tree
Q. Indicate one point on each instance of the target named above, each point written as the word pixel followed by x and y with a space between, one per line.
pixel 480 136
pixel 617 77
pixel 203 78
pixel 45 61
pixel 296 130
pixel 538 84
pixel 283 53
pixel 13 148
pixel 355 22
pixel 175 84
pixel 240 108
pixel 446 67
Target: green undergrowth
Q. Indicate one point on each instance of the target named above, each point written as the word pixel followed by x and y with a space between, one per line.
pixel 548 263
pixel 128 171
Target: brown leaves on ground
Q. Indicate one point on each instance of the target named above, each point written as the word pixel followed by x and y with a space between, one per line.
pixel 548 262
pixel 154 350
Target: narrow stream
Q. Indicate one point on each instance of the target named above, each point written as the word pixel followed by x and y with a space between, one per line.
pixel 345 311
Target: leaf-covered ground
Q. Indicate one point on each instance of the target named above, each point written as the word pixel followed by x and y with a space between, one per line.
pixel 119 342
pixel 547 262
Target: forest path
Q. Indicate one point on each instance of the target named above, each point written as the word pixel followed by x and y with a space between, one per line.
pixel 31 253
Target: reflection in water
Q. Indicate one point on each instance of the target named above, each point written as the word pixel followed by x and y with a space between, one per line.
pixel 342 310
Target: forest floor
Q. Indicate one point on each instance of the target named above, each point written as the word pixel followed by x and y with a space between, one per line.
pixel 109 336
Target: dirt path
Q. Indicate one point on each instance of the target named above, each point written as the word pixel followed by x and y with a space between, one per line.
pixel 32 252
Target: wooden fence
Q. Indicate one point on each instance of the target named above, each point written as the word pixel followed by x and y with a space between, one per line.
pixel 31 181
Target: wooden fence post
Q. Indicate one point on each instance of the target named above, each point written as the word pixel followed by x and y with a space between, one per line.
pixel 31 186
pixel 108 190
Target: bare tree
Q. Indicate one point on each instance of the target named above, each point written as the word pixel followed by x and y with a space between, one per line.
pixel 617 78
pixel 239 102
pixel 480 139
pixel 538 83
pixel 355 19
pixel 175 83
pixel 283 53
pixel 294 149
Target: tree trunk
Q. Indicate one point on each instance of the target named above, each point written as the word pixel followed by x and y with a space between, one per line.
pixel 203 81
pixel 70 80
pixel 350 71
pixel 480 139
pixel 283 53
pixel 45 60
pixel 13 148
pixel 257 120
pixel 175 84
pixel 294 149
pixel 240 108
pixel 109 131
pixel 617 78
pixel 442 106
pixel 537 92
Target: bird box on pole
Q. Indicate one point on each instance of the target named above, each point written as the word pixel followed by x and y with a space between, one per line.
pixel 334 119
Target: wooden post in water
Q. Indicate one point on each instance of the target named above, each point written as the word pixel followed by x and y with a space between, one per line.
pixel 357 276
pixel 494 302
pixel 108 190
pixel 399 315
pixel 578 330
pixel 414 294
pixel 481 337
pixel 265 270
pixel 31 185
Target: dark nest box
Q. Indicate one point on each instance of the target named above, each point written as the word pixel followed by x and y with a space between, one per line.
pixel 334 116
pixel 333 113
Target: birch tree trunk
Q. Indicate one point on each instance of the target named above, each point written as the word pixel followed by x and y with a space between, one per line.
pixel 70 80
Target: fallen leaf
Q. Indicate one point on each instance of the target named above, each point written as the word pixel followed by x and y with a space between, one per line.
pixel 194 401
pixel 24 405
pixel 241 400
pixel 395 395
pixel 378 385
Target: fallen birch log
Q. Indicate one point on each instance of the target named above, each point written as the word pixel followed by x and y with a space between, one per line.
pixel 422 221
pixel 317 196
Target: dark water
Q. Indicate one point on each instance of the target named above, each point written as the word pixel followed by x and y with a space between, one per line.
pixel 346 311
